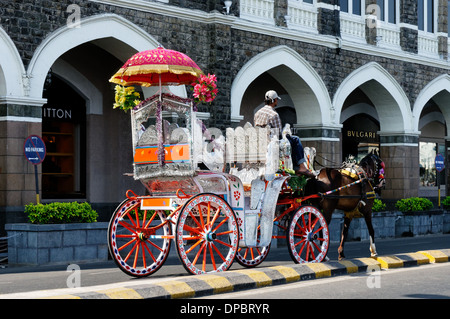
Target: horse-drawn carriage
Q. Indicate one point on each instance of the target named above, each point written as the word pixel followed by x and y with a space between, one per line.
pixel 214 216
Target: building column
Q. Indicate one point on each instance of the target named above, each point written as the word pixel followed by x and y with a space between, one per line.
pixel 409 31
pixel 328 21
pixel 326 141
pixel 400 154
pixel 19 118
pixel 442 29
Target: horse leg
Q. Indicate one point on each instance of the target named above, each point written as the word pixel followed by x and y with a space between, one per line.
pixel 344 237
pixel 368 219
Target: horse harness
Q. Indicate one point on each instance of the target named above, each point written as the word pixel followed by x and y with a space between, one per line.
pixel 358 174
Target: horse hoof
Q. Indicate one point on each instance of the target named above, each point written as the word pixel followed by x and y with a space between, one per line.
pixel 373 255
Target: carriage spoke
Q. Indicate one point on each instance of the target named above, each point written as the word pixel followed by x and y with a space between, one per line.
pixel 131 218
pixel 220 224
pixel 195 245
pixel 149 251
pixel 128 243
pixel 127 226
pixel 212 256
pixel 198 254
pixel 136 254
pixel 131 251
pixel 204 257
pixel 200 216
pixel 150 220
pixel 195 219
pixel 208 211
pixel 223 243
pixel 126 236
pixel 219 253
pixel 224 233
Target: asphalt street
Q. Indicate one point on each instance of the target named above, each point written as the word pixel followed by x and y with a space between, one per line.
pixel 424 282
pixel 27 279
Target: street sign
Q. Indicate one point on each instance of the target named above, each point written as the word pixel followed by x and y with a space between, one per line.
pixel 439 162
pixel 34 149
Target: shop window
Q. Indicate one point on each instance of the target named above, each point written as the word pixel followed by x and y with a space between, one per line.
pixel 360 137
pixel 63 130
pixel 427 167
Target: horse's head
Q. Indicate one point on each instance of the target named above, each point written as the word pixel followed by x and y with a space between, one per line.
pixel 374 168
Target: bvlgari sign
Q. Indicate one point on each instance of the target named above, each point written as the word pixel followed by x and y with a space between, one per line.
pixel 361 134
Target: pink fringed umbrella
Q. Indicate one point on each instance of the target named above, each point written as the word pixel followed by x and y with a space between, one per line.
pixel 157 67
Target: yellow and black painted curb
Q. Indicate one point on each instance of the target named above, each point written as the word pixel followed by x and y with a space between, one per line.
pixel 243 279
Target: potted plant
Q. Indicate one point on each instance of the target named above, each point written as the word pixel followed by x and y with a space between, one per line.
pixel 57 233
pixel 416 216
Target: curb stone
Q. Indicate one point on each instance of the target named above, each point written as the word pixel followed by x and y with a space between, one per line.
pixel 244 279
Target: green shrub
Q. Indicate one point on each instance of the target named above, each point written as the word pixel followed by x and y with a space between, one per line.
pixel 446 201
pixel 378 206
pixel 60 213
pixel 413 204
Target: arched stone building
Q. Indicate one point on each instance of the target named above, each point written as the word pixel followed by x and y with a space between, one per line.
pixel 348 83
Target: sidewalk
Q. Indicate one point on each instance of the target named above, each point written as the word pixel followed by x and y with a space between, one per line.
pixel 235 280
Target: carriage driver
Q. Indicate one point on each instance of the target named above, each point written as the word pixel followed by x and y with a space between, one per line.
pixel 268 116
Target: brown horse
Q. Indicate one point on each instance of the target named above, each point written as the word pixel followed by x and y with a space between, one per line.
pixel 351 189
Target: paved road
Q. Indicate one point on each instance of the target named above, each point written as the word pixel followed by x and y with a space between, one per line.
pixel 24 279
pixel 424 282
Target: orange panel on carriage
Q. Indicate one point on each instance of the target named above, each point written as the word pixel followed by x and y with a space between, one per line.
pixel 156 203
pixel 174 153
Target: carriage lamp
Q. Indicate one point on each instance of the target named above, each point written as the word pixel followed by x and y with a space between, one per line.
pixel 228 4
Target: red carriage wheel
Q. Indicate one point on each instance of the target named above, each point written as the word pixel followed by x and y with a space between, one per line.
pixel 308 238
pixel 138 240
pixel 252 256
pixel 207 234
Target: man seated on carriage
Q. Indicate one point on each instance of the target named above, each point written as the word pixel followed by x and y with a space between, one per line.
pixel 268 116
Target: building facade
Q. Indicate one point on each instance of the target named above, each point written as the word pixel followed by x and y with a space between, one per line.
pixel 354 75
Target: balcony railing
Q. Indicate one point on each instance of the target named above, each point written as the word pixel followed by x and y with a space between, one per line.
pixel 261 11
pixel 428 44
pixel 302 16
pixel 353 27
pixel 388 36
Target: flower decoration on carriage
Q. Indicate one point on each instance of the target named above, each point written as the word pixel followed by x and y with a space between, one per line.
pixel 126 98
pixel 205 88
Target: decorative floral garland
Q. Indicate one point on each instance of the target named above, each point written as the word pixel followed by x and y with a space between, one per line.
pixel 126 98
pixel 205 89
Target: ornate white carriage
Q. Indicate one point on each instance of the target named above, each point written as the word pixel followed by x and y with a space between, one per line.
pixel 215 215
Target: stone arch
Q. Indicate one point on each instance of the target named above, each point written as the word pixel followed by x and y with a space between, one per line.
pixel 438 90
pixel 388 97
pixel 11 68
pixel 93 28
pixel 296 75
